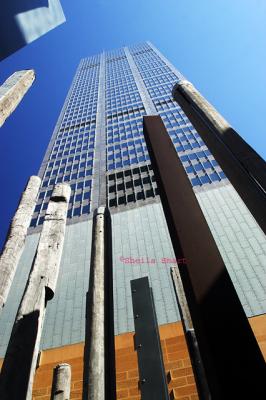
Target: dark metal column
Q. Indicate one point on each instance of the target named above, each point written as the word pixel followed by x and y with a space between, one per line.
pixel 191 340
pixel 232 360
pixel 245 169
pixel 152 382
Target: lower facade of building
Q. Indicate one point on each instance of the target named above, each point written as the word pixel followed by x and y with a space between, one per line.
pixel 180 378
pixel 141 247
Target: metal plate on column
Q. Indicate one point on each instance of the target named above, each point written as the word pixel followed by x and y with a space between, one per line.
pixel 152 381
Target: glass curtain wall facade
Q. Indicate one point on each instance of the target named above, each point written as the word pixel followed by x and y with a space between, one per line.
pixel 99 149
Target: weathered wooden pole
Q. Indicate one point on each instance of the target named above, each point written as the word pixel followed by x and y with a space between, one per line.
pixel 19 365
pixel 61 382
pixel 243 166
pixel 16 236
pixel 13 90
pixel 99 365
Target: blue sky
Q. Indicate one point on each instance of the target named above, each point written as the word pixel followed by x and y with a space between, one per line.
pixel 220 45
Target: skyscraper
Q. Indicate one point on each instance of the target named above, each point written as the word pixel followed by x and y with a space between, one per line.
pixel 99 149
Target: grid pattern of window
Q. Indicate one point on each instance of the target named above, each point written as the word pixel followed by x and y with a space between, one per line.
pixel 124 113
pixel 125 144
pixel 133 77
pixel 72 148
pixel 131 185
pixel 159 80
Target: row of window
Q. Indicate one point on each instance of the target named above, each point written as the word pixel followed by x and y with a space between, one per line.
pixel 131 185
pixel 140 48
pixel 146 63
pixel 115 56
pixel 123 105
pixel 86 92
pixel 77 211
pixel 133 197
pixel 68 168
pixel 78 120
pixel 75 150
pixel 85 128
pixel 126 116
pixel 164 104
pixel 68 176
pixel 120 81
pixel 74 139
pixel 121 126
pixel 80 198
pixel 169 79
pixel 120 90
pixel 75 111
pixel 89 82
pixel 123 163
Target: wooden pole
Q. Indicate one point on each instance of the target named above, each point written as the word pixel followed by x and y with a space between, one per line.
pixel 242 165
pixel 13 90
pixel 19 365
pixel 99 364
pixel 16 236
pixel 61 382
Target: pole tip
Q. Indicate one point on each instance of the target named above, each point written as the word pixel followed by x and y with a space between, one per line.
pixel 61 192
pixel 179 84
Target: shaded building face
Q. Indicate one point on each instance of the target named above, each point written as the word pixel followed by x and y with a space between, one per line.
pixel 99 149
pixel 22 22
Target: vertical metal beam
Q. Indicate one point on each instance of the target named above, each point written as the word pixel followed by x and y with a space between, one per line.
pixel 61 382
pixel 245 169
pixel 19 365
pixel 16 236
pixel 147 342
pixel 12 92
pixel 98 374
pixel 227 345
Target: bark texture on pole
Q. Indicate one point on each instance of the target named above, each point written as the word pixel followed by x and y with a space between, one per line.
pixel 96 363
pixel 99 365
pixel 16 236
pixel 13 90
pixel 181 297
pixel 19 365
pixel 243 166
pixel 61 382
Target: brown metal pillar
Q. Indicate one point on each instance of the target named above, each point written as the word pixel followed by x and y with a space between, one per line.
pixel 245 169
pixel 232 360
